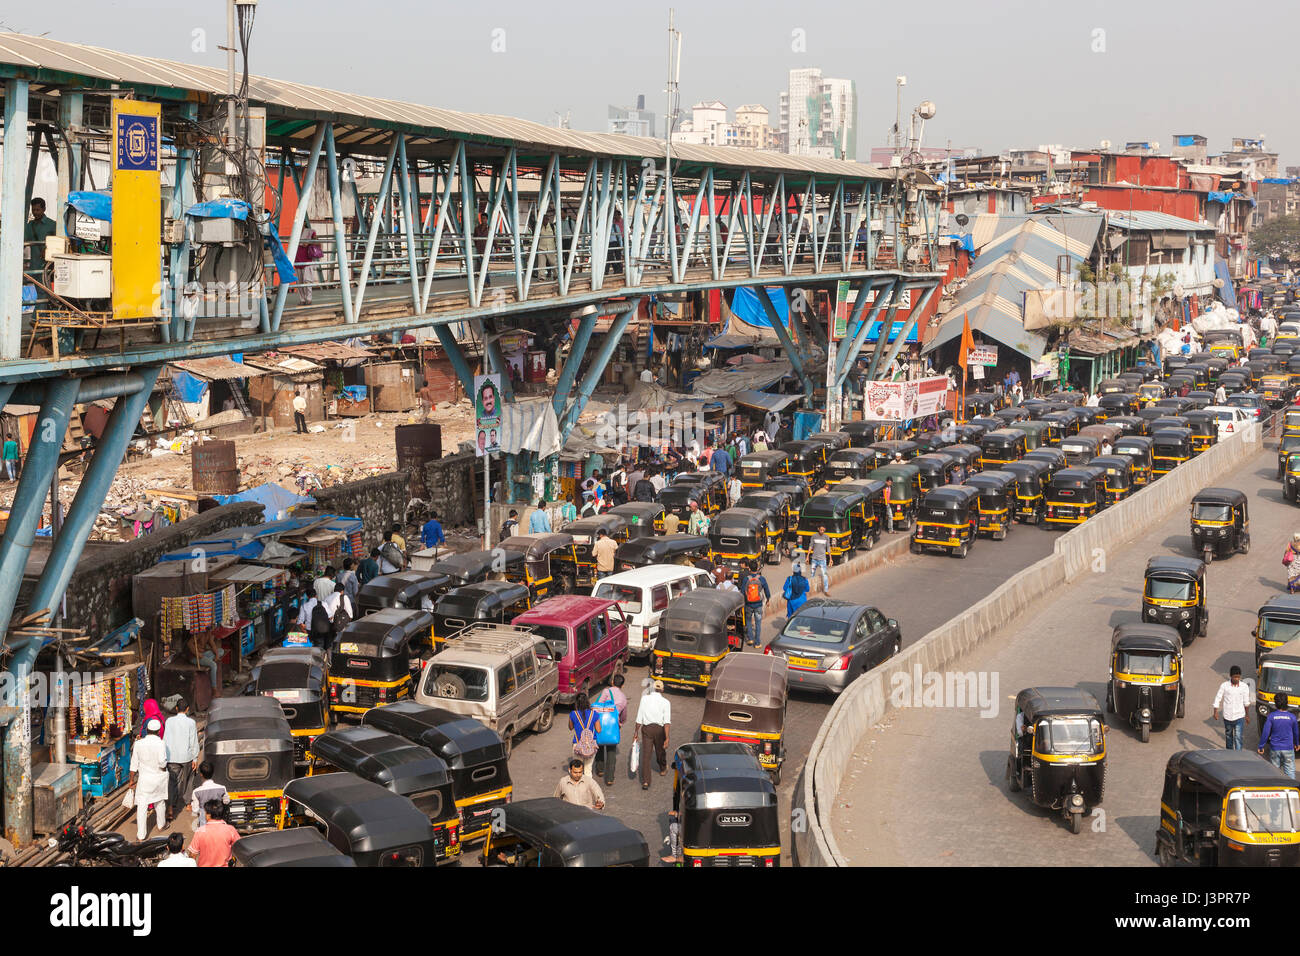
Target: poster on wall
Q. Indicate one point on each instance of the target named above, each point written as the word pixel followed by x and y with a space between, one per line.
pixel 903 401
pixel 487 414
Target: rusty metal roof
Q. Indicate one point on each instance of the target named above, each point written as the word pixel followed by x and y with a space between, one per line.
pixel 328 352
pixel 217 368
pixel 61 63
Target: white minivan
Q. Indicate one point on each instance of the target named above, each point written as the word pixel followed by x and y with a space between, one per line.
pixel 644 594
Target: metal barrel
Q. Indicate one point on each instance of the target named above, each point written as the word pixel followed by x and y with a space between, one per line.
pixel 216 471
pixel 417 444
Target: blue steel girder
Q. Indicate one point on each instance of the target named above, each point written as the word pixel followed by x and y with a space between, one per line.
pixel 782 333
pixel 597 367
pixel 851 344
pixel 912 318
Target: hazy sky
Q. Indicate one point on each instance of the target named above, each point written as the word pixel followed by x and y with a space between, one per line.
pixel 1003 73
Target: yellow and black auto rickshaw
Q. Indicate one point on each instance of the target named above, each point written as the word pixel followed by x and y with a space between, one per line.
pixel 373 659
pixel 848 464
pixel 684 549
pixel 726 806
pixel 548 832
pixel 707 488
pixel 696 632
pixel 1080 449
pixel 844 516
pixel 1279 673
pixel 1031 482
pixel 1129 424
pixel 1170 447
pixel 757 467
pixel 1002 446
pixel 250 747
pixel 1137 449
pixel 1058 751
pixel 1074 495
pixel 1204 427
pixel 1291 421
pixel 776 505
pixel 411 589
pixel 489 602
pixel 1150 392
pixel 741 535
pixel 1117 403
pixel 480 774
pixel 887 451
pixel 295 677
pixel 947 520
pixel 579 570
pixel 996 505
pixel 1038 433
pixel 542 554
pixel 797 491
pixel 1119 477
pixel 1227 808
pixel 745 704
pixel 1146 677
pixel 644 518
pixel 936 469
pixel 1065 422
pixel 1278 623
pixel 1220 523
pixel 807 461
pixel 874 507
pixel 904 491
pixel 1174 594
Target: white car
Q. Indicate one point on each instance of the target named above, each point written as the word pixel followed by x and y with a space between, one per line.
pixel 1231 419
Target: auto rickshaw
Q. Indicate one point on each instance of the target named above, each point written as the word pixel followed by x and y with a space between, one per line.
pixel 295 677
pixel 1111 386
pixel 696 632
pixel 1129 424
pixel 757 467
pixel 873 493
pixel 1175 404
pixel 1291 477
pixel 1065 422
pixel 862 434
pixel 1278 624
pixel 1137 448
pixel 1002 446
pixel 985 425
pixel 1075 494
pixel 843 514
pixel 833 441
pixel 933 441
pixel 905 491
pixel 404 589
pixel 936 469
pixel 1292 369
pixel 250 746
pixel 947 520
pixel 371 662
pixel 1085 415
pixel 1119 477
pixel 1235 380
pixel 966 433
pixel 1291 421
pixel 997 502
pixel 1053 458
pixel 1038 433
pixel 644 518
pixel 797 491
pixel 1058 751
pixel 1287 445
pixel 1174 594
pixel 1080 449
pixel 579 572
pixel 848 464
pixel 535 570
pixel 1071 398
pixel 745 704
pixel 296 846
pixel 741 535
pixel 886 451
pixel 1169 421
pixel 726 805
pixel 1227 808
pixel 682 549
pixel 807 461
pixel 1146 677
pixel 480 775
pixel 468 567
pixel 1174 363
pixel 968 455
pixel 547 831
pixel 405 768
pixel 1201 399
pixel 1132 379
pixel 1150 392
pixel 1204 427
pixel 710 490
pixel 1103 431
pixel 1009 416
pixel 495 602
pixel 1279 673
pixel 369 822
pixel 980 403
pixel 776 505
pixel 1170 447
pixel 1031 480
pixel 1220 523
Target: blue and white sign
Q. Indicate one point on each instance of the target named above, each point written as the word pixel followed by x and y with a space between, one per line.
pixel 137 142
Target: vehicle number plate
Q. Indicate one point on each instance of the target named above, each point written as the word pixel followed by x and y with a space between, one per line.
pixel 804 662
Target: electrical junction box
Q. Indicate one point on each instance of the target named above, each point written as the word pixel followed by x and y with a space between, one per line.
pixel 208 231
pixel 83 276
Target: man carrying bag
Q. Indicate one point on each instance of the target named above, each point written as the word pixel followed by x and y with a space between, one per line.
pixel 611 713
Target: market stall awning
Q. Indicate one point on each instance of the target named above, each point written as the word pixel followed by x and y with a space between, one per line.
pixel 329 352
pixel 766 401
pixel 217 368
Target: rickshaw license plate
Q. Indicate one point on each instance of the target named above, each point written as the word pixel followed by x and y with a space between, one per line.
pixel 804 662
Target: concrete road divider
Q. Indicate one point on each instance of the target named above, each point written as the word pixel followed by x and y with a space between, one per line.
pixel 1080 550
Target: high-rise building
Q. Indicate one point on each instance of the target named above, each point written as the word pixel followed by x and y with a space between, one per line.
pixel 819 115
pixel 632 120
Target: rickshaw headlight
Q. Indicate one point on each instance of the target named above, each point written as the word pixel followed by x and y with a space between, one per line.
pixel 1185 615
pixel 1146 713
pixel 1121 684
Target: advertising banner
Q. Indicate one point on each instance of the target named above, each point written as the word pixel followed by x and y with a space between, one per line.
pixel 487 414
pixel 902 401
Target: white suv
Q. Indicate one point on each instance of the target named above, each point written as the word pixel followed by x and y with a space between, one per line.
pixel 1231 419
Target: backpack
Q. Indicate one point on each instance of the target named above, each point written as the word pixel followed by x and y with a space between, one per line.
pixel 585 745
pixel 341 618
pixel 392 554
pixel 753 589
pixel 320 619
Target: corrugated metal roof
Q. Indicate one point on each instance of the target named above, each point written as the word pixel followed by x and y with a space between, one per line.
pixel 280 96
pixel 1081 226
pixel 1142 219
pixel 328 351
pixel 218 368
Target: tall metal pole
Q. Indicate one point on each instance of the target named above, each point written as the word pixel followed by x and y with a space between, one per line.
pixel 230 70
pixel 487 502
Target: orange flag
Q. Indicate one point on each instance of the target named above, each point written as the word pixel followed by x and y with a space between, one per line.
pixel 967 342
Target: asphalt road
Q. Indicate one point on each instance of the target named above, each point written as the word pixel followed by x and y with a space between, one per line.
pixel 927 786
pixel 921 592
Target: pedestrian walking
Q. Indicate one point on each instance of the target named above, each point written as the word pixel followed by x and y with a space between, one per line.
pixel 584 722
pixel 578 788
pixel 324 585
pixel 368 569
pixel 611 708
pixel 214 841
pixel 348 578
pixel 539 522
pixel 754 589
pixel 1281 736
pixel 603 551
pixel 654 717
pixel 299 414
pixel 699 521
pixel 817 553
pixel 734 491
pixel 431 534
pixel 1291 561
pixel 795 590
pixel 1234 699
pixel 889 505
pixel 207 789
pixel 10 456
pixel 181 738
pixel 149 778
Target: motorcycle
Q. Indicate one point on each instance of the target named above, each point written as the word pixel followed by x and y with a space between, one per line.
pixel 86 846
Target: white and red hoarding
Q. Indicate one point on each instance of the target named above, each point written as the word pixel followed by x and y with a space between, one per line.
pixel 901 401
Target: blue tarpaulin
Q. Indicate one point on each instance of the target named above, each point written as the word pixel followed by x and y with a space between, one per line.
pixel 1280 182
pixel 1227 294
pixel 355 393
pixel 276 502
pixel 964 240
pixel 748 308
pixel 1222 197
pixel 189 388
pixel 96 205
pixel 220 209
pixel 283 267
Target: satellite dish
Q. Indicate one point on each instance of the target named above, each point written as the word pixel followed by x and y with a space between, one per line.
pixel 962 219
pixel 1105 144
pixel 927 109
pixel 1155 146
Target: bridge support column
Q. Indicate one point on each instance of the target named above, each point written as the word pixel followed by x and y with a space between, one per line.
pixel 857 334
pixel 787 343
pixel 12 187
pixel 912 318
pixel 569 374
pixel 597 367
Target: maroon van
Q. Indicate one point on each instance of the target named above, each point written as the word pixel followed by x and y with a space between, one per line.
pixel 587 637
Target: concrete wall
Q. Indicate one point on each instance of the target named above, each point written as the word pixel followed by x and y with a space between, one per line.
pixel 866 702
pixel 450 483
pixel 99 594
pixel 380 502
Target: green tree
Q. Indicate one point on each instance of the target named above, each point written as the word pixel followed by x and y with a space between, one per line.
pixel 1278 238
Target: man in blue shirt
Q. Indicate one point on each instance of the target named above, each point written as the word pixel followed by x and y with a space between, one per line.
pixel 1280 734
pixel 720 461
pixel 539 522
pixel 431 534
pixel 754 589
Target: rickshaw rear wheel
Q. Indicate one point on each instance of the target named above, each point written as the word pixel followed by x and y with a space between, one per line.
pixel 1013 777
pixel 1110 699
pixel 776 776
pixel 916 547
pixel 507 744
pixel 1164 853
pixel 1144 733
pixel 962 550
pixel 1076 822
pixel 1245 545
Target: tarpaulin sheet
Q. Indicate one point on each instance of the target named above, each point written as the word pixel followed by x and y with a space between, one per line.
pixel 220 209
pixel 720 382
pixel 283 265
pixel 276 502
pixel 1227 294
pixel 873 333
pixel 96 205
pixel 745 303
pixel 530 426
pixel 585 441
pixel 1221 197
pixel 188 388
pixel 769 401
pixel 649 397
pixel 356 393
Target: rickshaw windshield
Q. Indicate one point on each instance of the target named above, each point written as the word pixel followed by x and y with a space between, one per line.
pixel 1163 589
pixel 1068 735
pixel 557 638
pixel 1207 512
pixel 1279 631
pixel 1293 418
pixel 1293 461
pixel 1263 811
pixel 816 629
pixel 1146 663
pixel 628 597
pixel 1278 678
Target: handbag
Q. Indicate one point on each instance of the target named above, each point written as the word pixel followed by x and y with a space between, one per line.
pixel 608 731
pixel 128 798
pixel 585 746
pixel 634 762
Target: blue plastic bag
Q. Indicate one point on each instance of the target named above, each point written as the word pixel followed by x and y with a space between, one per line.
pixel 608 733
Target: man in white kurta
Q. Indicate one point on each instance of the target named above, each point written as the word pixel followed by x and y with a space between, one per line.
pixel 149 778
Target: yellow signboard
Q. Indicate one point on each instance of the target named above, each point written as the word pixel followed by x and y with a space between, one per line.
pixel 137 210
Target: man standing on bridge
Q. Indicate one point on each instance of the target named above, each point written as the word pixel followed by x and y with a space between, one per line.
pixel 1235 698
